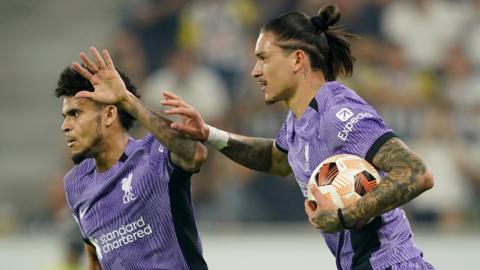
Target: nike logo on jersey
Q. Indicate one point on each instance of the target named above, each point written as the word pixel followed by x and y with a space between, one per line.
pixel 83 212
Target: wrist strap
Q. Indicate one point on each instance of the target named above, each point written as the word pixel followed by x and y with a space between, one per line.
pixel 217 138
pixel 342 220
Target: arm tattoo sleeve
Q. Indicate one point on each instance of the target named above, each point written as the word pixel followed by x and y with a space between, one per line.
pixel 403 182
pixel 253 153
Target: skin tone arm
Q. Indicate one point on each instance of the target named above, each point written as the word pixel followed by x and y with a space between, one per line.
pixel 110 89
pixel 258 154
pixel 93 263
pixel 407 177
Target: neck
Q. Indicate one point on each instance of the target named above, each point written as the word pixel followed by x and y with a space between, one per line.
pixel 111 150
pixel 306 90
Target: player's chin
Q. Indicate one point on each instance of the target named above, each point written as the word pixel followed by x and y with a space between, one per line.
pixel 270 100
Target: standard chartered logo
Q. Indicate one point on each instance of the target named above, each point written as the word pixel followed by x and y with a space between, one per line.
pixel 124 235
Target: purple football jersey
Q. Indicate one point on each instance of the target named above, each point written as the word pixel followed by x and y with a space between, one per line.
pixel 338 121
pixel 138 214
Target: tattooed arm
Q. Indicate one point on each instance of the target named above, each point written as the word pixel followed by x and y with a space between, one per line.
pixel 186 153
pixel 257 154
pixel 407 177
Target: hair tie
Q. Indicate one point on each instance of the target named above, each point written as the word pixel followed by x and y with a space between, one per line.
pixel 319 23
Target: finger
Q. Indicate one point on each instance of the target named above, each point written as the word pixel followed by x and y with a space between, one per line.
pixel 176 103
pixel 108 59
pixel 90 65
pixel 84 94
pixel 170 102
pixel 316 192
pixel 83 71
pixel 98 58
pixel 180 111
pixel 171 95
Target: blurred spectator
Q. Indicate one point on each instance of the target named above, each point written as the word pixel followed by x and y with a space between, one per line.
pixel 196 83
pixel 155 24
pixel 423 28
pixel 471 31
pixel 452 194
pixel 129 55
pixel 218 30
pixel 358 17
pixel 397 91
pixel 462 88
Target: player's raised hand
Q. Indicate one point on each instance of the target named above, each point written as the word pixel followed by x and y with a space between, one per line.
pixel 322 214
pixel 192 123
pixel 109 87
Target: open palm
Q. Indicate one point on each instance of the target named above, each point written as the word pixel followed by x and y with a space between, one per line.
pixel 109 87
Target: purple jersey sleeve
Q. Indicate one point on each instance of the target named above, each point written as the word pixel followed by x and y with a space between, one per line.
pixel 281 139
pixel 157 152
pixel 355 129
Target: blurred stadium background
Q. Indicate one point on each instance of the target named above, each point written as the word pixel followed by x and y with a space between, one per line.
pixel 418 63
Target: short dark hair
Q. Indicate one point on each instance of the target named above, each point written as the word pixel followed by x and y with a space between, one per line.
pixel 328 47
pixel 72 82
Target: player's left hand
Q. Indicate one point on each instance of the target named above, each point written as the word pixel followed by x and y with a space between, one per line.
pixel 192 123
pixel 109 87
pixel 322 214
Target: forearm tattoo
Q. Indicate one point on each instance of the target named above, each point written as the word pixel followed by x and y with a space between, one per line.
pixel 399 186
pixel 177 143
pixel 253 153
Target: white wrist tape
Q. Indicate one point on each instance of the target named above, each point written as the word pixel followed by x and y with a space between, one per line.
pixel 217 138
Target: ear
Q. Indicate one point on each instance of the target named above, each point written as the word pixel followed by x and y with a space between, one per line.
pixel 299 60
pixel 110 115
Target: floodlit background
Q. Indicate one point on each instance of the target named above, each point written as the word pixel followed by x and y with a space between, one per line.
pixel 418 63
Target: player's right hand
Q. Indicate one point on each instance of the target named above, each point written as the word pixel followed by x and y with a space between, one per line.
pixel 192 123
pixel 109 86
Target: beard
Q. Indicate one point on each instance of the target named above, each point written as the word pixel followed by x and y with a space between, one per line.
pixel 79 157
pixel 90 151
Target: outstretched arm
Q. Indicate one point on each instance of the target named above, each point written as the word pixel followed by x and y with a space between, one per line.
pixel 407 177
pixel 110 89
pixel 258 154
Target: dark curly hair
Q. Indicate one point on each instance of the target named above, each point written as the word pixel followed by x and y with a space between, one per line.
pixel 72 82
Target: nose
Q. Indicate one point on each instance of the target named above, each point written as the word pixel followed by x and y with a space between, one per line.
pixel 66 125
pixel 256 71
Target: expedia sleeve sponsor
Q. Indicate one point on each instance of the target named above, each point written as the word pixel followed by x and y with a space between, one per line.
pixel 350 124
pixel 351 128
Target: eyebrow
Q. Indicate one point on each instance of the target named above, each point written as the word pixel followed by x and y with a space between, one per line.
pixel 71 112
pixel 259 54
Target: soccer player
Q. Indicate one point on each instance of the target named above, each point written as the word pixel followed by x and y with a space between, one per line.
pixel 131 198
pixel 298 59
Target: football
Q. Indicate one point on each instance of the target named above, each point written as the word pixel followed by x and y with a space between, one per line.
pixel 344 179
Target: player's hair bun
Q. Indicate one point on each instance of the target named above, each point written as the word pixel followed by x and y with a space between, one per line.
pixel 326 17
